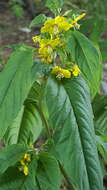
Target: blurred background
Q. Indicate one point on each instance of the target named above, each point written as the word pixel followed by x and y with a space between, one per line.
pixel 16 15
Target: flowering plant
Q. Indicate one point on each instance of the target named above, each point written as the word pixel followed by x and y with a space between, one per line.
pixel 49 45
pixel 46 118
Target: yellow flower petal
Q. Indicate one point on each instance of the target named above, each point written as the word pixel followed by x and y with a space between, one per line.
pixel 56 69
pixel 61 73
pixel 27 158
pixel 25 170
pixel 56 25
pixel 77 19
pixel 36 39
pixel 22 162
pixel 75 70
pixel 59 19
pixel 66 73
pixel 46 49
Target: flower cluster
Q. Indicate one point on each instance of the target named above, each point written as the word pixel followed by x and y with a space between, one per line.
pixel 55 26
pixel 60 72
pixel 51 39
pixel 65 73
pixel 46 48
pixel 75 70
pixel 59 24
pixel 24 164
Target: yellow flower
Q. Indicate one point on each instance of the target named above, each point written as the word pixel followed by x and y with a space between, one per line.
pixel 36 39
pixel 54 43
pixel 59 19
pixel 22 162
pixel 49 42
pixel 45 53
pixel 56 69
pixel 66 73
pixel 74 22
pixel 25 170
pixel 75 70
pixel 48 26
pixel 61 73
pixel 45 59
pixel 62 23
pixel 46 49
pixel 56 25
pixel 27 158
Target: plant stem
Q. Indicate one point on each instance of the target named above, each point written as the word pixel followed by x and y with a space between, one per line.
pixel 44 121
pixel 70 186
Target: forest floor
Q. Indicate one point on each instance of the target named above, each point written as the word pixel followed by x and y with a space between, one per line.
pixel 13 30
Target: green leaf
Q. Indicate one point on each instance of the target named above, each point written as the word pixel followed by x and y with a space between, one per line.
pixel 98 29
pixel 99 104
pixel 15 83
pixel 87 24
pixel 55 5
pixel 102 147
pixel 48 173
pixel 100 114
pixel 103 48
pixel 28 125
pixel 38 20
pixel 101 124
pixel 71 120
pixel 43 174
pixel 26 128
pixel 10 155
pixel 14 179
pixel 17 10
pixel 89 61
pixel 12 134
pixel 31 125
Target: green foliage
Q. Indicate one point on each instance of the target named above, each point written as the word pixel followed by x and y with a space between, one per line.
pixel 26 127
pixel 13 179
pixel 103 47
pixel 100 120
pixel 87 57
pixel 10 155
pixel 101 123
pixel 17 10
pixel 100 112
pixel 43 173
pixel 93 7
pixel 71 120
pixel 48 173
pixel 38 20
pixel 98 28
pixel 102 147
pixel 17 79
pixel 55 5
pixel 17 1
